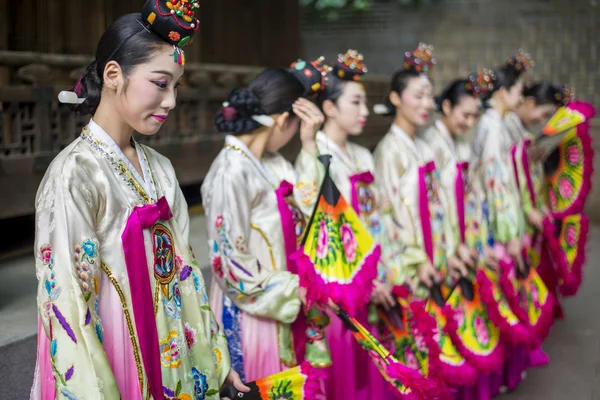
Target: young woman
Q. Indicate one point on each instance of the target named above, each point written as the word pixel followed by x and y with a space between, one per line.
pixel 492 168
pixel 344 103
pixel 408 178
pixel 254 222
pixel 123 308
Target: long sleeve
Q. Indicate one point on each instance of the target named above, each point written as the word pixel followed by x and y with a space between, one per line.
pixel 68 267
pixel 255 289
pixel 310 174
pixel 504 206
pixel 401 223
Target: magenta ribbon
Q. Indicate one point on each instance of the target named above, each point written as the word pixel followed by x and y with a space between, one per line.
pixel 144 217
pixel 459 190
pixel 289 237
pixel 287 221
pixel 513 154
pixel 424 213
pixel 525 159
pixel 365 177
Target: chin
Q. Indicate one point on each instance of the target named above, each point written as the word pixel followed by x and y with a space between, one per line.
pixel 356 132
pixel 147 129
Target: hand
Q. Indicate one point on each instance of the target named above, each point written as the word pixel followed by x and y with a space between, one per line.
pixel 333 307
pixel 535 153
pixel 467 255
pixel 536 219
pixel 382 295
pixel 457 268
pixel 491 259
pixel 311 119
pixel 234 379
pixel 515 250
pixel 427 274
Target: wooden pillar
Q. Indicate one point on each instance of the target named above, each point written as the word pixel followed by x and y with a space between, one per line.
pixel 4 45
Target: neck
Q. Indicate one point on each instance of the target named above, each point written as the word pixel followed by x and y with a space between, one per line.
pixel 408 127
pixel 256 141
pixel 499 108
pixel 444 121
pixel 336 134
pixel 108 119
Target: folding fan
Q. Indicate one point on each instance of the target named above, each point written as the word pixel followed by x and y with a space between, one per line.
pixel 299 383
pixel 338 257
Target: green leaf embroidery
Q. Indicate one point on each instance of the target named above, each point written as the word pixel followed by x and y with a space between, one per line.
pixel 178 388
pixel 205 307
pixel 212 392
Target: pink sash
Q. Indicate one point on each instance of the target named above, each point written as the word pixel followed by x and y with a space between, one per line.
pixel 424 214
pixel 144 217
pixel 365 177
pixel 459 190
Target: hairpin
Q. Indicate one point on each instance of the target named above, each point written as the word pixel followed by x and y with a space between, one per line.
pixel 350 66
pixel 230 114
pixel 521 61
pixel 421 60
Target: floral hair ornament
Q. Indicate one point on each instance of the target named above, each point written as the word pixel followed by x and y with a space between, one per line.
pixel 484 83
pixel 311 74
pixel 420 60
pixel 521 61
pixel 566 94
pixel 350 66
pixel 173 21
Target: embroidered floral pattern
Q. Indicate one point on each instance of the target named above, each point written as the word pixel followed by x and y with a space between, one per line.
pixel 215 260
pixel 307 191
pixel 164 259
pixel 240 244
pixel 323 240
pixel 217 358
pixel 200 384
pixel 349 242
pixel 84 257
pixel 190 336
pixel 169 351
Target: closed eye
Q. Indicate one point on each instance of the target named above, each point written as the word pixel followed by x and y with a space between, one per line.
pixel 161 84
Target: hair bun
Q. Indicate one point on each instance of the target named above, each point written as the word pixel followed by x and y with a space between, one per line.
pixel 521 61
pixel 350 66
pixel 236 114
pixel 312 75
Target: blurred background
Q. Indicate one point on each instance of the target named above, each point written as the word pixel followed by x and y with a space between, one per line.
pixel 46 44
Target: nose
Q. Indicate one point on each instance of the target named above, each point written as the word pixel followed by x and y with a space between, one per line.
pixel 364 110
pixel 170 100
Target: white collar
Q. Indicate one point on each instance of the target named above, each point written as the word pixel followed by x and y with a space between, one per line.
pixel 105 138
pixel 446 135
pixel 493 114
pixel 329 144
pixel 260 166
pixel 396 130
pixel 517 121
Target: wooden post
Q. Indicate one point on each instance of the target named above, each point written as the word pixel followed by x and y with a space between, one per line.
pixel 4 29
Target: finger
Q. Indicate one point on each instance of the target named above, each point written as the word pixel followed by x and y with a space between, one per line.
pixel 239 385
pixel 427 280
pixel 301 113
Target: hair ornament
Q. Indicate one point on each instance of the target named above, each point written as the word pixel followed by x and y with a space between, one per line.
pixel 521 61
pixel 420 60
pixel 350 66
pixel 484 83
pixel 566 94
pixel 312 74
pixel 174 21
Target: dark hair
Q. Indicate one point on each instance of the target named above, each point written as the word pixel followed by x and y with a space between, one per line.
pixel 454 93
pixel 333 90
pixel 399 83
pixel 504 76
pixel 273 91
pixel 126 42
pixel 543 93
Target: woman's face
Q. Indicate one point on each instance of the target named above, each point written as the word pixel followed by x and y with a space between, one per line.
pixel 532 114
pixel 461 118
pixel 149 92
pixel 285 127
pixel 416 101
pixel 350 112
pixel 513 96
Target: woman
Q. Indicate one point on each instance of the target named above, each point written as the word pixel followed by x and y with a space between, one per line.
pixel 112 237
pixel 344 104
pixel 250 203
pixel 408 177
pixel 492 169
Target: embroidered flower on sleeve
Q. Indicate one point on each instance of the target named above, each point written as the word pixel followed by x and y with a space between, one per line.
pixel 200 384
pixel 46 254
pixel 169 351
pixel 308 191
pixel 240 244
pixel 190 336
pixel 217 358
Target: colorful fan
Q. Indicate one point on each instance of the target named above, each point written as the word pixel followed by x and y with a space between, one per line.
pixel 571 240
pixel 529 297
pixel 300 383
pixel 338 257
pixel 448 366
pixel 472 331
pixel 569 170
pixel 512 330
pixel 405 380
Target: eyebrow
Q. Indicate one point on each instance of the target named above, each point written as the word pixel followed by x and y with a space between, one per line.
pixel 163 72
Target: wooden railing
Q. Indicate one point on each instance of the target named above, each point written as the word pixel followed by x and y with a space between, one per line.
pixel 34 126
